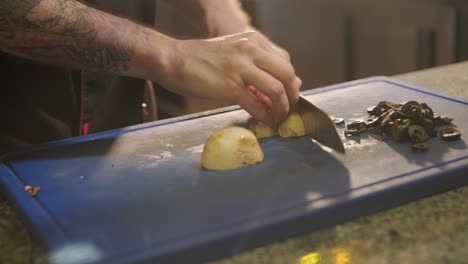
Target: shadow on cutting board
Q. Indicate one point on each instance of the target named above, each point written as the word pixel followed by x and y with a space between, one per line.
pixel 434 155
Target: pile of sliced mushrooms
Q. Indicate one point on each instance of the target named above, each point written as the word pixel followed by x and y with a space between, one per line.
pixel 235 147
pixel 408 121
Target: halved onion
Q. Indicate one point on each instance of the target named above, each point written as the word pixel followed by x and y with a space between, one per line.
pixel 231 148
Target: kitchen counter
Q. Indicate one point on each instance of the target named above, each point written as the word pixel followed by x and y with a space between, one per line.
pixel 431 230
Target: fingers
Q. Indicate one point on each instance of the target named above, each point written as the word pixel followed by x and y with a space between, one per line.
pixel 281 70
pixel 297 83
pixel 272 88
pixel 260 96
pixel 256 108
pixel 274 61
pixel 273 76
pixel 281 52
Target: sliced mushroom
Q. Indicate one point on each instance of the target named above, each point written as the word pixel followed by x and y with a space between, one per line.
pixel 417 134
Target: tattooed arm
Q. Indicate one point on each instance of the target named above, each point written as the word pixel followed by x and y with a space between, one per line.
pixel 71 34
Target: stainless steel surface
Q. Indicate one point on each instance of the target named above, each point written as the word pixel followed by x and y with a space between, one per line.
pixel 318 125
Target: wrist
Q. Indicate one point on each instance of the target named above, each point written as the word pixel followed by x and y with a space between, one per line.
pixel 155 57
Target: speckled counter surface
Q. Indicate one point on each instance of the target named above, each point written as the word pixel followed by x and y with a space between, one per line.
pixel 431 230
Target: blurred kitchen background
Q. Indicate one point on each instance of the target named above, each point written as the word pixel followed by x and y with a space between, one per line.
pixel 331 41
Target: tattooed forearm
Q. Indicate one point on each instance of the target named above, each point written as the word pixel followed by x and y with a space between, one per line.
pixel 66 32
pixel 11 13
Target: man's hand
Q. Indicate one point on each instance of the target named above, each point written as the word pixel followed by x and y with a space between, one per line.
pixel 244 68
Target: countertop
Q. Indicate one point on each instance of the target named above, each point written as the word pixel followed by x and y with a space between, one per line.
pixel 430 230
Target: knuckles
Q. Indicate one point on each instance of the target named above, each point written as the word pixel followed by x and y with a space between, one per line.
pixel 294 91
pixel 286 54
pixel 236 63
pixel 278 91
pixel 247 46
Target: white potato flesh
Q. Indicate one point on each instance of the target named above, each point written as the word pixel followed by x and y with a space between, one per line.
pixel 261 130
pixel 292 126
pixel 231 148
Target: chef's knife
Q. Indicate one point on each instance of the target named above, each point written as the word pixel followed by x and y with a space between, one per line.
pixel 318 125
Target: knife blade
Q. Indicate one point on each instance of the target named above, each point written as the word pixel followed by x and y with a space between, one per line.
pixel 318 125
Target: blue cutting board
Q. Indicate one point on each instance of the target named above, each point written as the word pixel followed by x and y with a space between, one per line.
pixel 138 195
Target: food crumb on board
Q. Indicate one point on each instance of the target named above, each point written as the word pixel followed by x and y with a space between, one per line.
pixel 196 149
pixel 32 190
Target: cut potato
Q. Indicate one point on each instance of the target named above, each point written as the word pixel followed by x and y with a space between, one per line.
pixel 231 148
pixel 292 126
pixel 261 130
